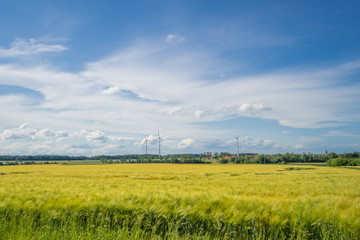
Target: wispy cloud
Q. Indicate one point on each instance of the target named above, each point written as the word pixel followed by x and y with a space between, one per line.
pixel 306 99
pixel 250 143
pixel 294 98
pixel 336 133
pixel 172 38
pixel 23 47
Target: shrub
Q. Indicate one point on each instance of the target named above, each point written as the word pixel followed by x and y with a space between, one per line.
pixel 224 161
pixel 338 162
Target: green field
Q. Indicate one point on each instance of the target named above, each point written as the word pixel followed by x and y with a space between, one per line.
pixel 178 201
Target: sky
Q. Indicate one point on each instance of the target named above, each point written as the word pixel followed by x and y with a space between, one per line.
pixel 97 77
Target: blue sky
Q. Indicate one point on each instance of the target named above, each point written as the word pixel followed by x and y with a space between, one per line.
pixel 95 77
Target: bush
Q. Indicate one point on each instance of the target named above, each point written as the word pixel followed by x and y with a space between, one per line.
pixel 224 161
pixel 354 162
pixel 338 162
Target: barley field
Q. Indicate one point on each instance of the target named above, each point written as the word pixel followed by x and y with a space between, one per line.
pixel 175 201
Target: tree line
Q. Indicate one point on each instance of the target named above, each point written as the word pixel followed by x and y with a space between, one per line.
pixel 332 159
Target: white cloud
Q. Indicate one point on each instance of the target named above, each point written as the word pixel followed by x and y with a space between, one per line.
pixel 173 80
pixel 22 47
pixel 150 139
pixel 253 109
pixel 247 143
pixel 46 132
pixel 299 146
pixel 22 132
pixel 96 136
pixel 171 110
pixel 351 65
pixel 61 134
pixel 111 90
pixel 187 142
pixel 199 113
pixel 26 133
pixel 171 38
pixel 182 84
pixel 336 133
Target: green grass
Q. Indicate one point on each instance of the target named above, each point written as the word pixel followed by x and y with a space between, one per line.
pixel 81 162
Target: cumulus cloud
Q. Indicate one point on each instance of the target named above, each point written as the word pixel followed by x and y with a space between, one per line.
pixel 96 136
pixel 253 109
pixel 22 132
pixel 187 142
pixel 46 132
pixel 23 47
pixel 26 133
pixel 150 139
pixel 199 113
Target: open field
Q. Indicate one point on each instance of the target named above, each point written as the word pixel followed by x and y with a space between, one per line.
pixel 171 201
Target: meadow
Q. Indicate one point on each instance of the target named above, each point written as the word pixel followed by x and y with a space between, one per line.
pixel 179 201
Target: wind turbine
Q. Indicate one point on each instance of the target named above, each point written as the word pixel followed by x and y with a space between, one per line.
pixel 145 141
pixel 237 144
pixel 158 139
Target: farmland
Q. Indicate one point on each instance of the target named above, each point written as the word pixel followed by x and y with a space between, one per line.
pixel 171 201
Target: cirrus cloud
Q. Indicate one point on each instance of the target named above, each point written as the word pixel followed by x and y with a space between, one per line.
pixel 23 47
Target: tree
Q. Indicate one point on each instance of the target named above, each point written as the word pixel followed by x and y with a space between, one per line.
pixel 258 159
pixel 332 155
pixel 224 161
pixel 303 157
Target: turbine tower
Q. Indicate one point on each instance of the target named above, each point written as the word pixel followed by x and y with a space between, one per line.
pixel 159 141
pixel 237 145
pixel 145 141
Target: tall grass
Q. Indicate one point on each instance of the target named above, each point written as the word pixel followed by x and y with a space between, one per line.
pixel 163 201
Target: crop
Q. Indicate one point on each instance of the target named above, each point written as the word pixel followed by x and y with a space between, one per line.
pixel 170 201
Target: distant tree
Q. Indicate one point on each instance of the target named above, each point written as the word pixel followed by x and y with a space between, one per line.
pixel 258 159
pixel 332 155
pixel 303 157
pixel 103 160
pixel 224 161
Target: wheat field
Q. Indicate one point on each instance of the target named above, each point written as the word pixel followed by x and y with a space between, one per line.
pixel 176 201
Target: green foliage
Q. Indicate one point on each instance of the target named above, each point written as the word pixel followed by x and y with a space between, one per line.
pixel 244 158
pixel 338 162
pixel 224 161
